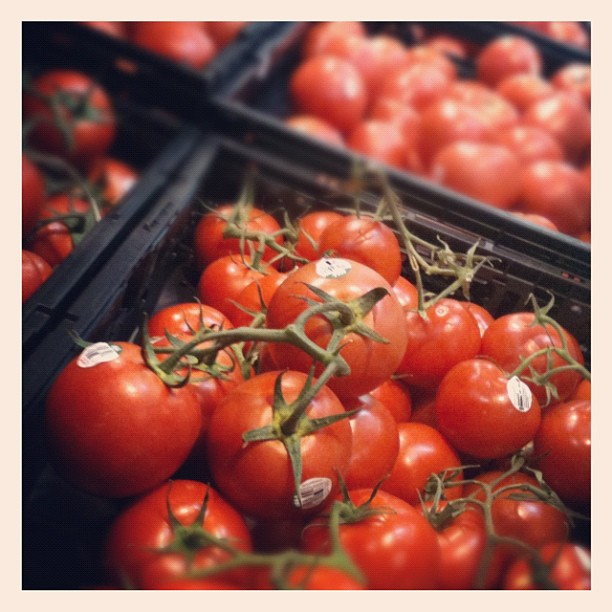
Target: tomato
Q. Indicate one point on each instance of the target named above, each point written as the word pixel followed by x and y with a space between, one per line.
pixel 191 584
pixel 424 409
pixel 533 522
pixel 257 478
pixel 330 88
pixel 185 42
pixel 567 118
pixel 375 442
pixel 310 578
pixel 423 451
pixel 447 121
pixel 114 177
pixel 537 219
pixel 558 191
pixel 109 440
pixel 483 317
pixel 371 362
pixel 505 56
pixel 112 28
pixel 317 128
pixel 224 32
pixel 448 45
pixel 562 451
pixel 524 89
pixel 531 143
pixel 479 412
pixel 574 77
pixel 366 240
pixel 396 399
pixel 397 549
pixel 310 227
pixel 144 547
pixel 210 243
pixel 406 293
pixel 380 140
pixel 34 272
pixel 182 319
pixel 85 109
pixel 321 35
pixel 570 568
pixel 447 335
pixel 487 172
pixel 567 32
pixel 425 55
pixel 32 194
pixel 583 390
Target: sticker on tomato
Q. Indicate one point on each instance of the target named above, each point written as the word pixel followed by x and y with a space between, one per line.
pixel 519 394
pixel 97 353
pixel 332 267
pixel 312 492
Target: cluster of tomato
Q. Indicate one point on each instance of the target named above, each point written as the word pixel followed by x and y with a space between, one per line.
pixel 509 137
pixel 317 421
pixel 191 43
pixel 69 180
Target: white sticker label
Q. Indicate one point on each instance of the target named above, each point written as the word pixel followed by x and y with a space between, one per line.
pixel 312 492
pixel 519 394
pixel 97 353
pixel 330 267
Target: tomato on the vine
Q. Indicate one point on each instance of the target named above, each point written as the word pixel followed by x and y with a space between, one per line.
pixel 113 177
pixel 395 397
pixel 34 272
pixel 310 227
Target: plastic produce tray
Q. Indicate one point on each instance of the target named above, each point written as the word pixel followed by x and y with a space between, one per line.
pixel 155 267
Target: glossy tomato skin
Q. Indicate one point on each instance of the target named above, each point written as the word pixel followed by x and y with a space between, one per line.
pixel 317 128
pixel 371 362
pixel 114 177
pixel 133 548
pixel 513 337
pixel 523 89
pixel 423 451
pixel 582 391
pixel 449 334
pixel 258 478
pixel 475 411
pixel 396 398
pixel 531 143
pixel 91 138
pixel 570 570
pixel 323 34
pixel 366 240
pixel 395 550
pixel 562 451
pixel 32 194
pixel 310 228
pixel 311 578
pixel 224 32
pixel 184 317
pixel 537 219
pixel 34 272
pixel 483 317
pixel 109 441
pixel 574 77
pixel 380 140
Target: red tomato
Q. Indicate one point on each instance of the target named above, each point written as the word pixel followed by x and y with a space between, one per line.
pixel 447 335
pixel 530 143
pixel 32 194
pixel 406 293
pixel 505 56
pixel 317 128
pixel 112 28
pixel 558 191
pixel 375 442
pixel 500 113
pixel 380 140
pixel 562 451
pixel 321 35
pixel 185 42
pixel 523 90
pixel 483 317
pixel 182 319
pixel 224 32
pixel 85 109
pixel 366 240
pixel 567 32
pixel 448 45
pixel 145 547
pixel 567 118
pixel 114 177
pixel 425 55
pixel 191 584
pixel 371 362
pixel 210 243
pixel 110 441
pixel 574 77
pixel 487 172
pixel 257 478
pixel 514 337
pixel 310 578
pixel 396 549
pixel 330 88
pixel 583 391
pixel 537 219
pixel 396 399
pixel 310 227
pixel 34 272
pixel 423 451
pixel 481 413
pixel 569 568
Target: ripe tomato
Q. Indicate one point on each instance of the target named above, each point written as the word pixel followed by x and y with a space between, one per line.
pixel 514 337
pixel 185 42
pixel 85 109
pixel 210 244
pixel 487 172
pixel 423 451
pixel 321 35
pixel 145 547
pixel 224 32
pixel 181 319
pixel 570 568
pixel 530 143
pixel 583 390
pixel 112 28
pixel 425 55
pixel 448 45
pixel 483 317
pixel 375 442
pixel 447 335
pixel 396 399
pixel 481 414
pixel 330 88
pixel 558 191
pixel 191 584
pixel 371 362
pixel 574 77
pixel 562 451
pixel 34 272
pixel 110 441
pixel 317 128
pixel 366 240
pixel 537 219
pixel 406 293
pixel 505 56
pixel 568 32
pixel 113 177
pixel 524 89
pixel 397 549
pixel 380 140
pixel 310 578
pixel 310 227
pixel 257 478
pixel 500 113
pixel 32 194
